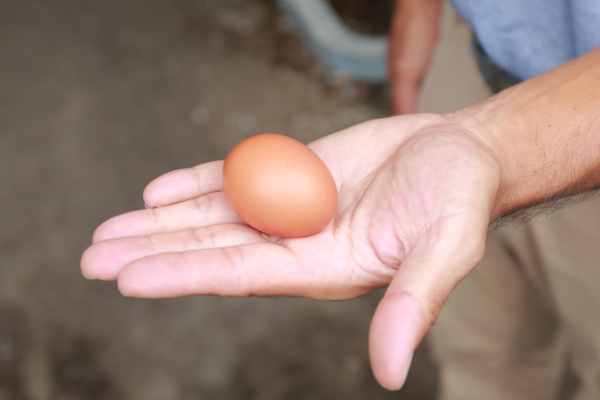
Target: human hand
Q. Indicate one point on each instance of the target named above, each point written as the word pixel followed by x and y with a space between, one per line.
pixel 412 39
pixel 415 198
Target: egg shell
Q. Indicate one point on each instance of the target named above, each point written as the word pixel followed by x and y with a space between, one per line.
pixel 279 186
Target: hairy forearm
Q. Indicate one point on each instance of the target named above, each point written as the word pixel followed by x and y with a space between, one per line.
pixel 545 134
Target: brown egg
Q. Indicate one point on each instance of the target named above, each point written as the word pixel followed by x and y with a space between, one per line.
pixel 279 186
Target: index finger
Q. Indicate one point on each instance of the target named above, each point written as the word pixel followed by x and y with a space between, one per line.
pixel 184 184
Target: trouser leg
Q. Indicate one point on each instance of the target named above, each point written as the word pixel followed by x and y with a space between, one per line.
pixel 572 260
pixel 497 337
pixel 530 309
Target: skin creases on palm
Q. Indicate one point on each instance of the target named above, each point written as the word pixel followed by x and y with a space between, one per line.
pixel 415 199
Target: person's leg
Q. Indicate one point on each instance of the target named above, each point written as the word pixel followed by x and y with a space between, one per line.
pixel 572 259
pixel 497 337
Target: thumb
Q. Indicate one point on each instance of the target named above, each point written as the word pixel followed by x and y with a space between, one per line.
pixel 398 326
pixel 413 301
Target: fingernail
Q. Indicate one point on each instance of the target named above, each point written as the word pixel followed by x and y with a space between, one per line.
pixel 91 278
pixel 405 370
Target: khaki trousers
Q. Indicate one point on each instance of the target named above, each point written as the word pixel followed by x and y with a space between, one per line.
pixel 528 315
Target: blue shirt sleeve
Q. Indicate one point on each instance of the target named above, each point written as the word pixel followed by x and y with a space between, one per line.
pixel 528 37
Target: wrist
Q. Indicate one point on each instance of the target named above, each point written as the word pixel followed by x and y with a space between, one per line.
pixel 544 134
pixel 488 125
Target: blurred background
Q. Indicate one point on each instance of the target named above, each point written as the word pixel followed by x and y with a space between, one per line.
pixel 99 97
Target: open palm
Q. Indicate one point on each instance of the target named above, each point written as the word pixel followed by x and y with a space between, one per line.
pixel 415 198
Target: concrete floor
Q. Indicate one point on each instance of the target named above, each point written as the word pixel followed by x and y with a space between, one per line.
pixel 99 97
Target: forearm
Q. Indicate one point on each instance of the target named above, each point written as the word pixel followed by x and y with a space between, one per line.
pixel 413 37
pixel 419 22
pixel 545 134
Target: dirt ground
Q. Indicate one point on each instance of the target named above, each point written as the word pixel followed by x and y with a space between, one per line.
pixel 99 97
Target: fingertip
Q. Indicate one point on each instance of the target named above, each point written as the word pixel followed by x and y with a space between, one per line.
pixel 128 281
pixel 85 265
pixel 92 262
pixel 150 194
pixel 168 188
pixel 133 223
pixel 126 286
pixel 183 184
pixel 109 229
pixel 395 378
pixel 100 234
pixel 96 263
pixel 395 333
pixel 151 277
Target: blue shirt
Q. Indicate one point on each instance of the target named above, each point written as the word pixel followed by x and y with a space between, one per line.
pixel 528 37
